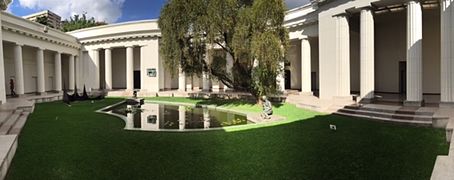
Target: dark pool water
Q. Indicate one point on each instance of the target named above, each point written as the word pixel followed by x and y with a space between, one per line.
pixel 154 117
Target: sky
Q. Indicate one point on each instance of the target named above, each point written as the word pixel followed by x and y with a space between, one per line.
pixel 111 11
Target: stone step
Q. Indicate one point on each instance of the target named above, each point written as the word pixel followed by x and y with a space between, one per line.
pixel 4 116
pixel 391 120
pixel 393 110
pixel 17 128
pixel 388 115
pixel 7 125
pixel 444 168
pixel 8 146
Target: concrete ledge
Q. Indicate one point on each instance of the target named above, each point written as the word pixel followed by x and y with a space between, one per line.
pixel 413 103
pixel 443 169
pixel 447 104
pixel 8 146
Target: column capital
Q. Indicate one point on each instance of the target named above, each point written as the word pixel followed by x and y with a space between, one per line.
pixel 343 14
pixel 129 46
pixel 18 44
pixel 366 8
pixel 303 37
pixel 108 48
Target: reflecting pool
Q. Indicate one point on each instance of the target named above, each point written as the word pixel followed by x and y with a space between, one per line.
pixel 155 117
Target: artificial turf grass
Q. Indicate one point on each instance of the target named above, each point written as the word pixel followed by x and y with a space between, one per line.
pixel 82 144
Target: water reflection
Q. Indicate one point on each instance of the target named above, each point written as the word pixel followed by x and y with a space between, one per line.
pixel 153 117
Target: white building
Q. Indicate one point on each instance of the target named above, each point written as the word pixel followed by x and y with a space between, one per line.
pixel 338 48
pixel 53 19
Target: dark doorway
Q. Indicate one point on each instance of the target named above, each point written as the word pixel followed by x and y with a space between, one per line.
pixel 402 77
pixel 137 80
pixel 313 81
pixel 288 77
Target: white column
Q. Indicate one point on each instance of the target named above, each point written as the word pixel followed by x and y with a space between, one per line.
pixel 96 70
pixel 229 64
pixel 40 71
pixel 367 54
pixel 181 80
pixel 130 68
pixel 280 79
pixel 306 81
pixel 206 118
pixel 108 68
pixel 71 72
pixel 182 117
pixel 343 55
pixel 18 64
pixel 414 54
pixel 2 71
pixel 206 81
pixel 77 71
pixel 57 71
pixel 447 52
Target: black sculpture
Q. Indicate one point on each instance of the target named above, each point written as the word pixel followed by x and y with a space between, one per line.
pixel 76 97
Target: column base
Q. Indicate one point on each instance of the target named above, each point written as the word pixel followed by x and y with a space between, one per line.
pixel 306 93
pixel 366 100
pixel 41 93
pixel 446 104
pixel 414 103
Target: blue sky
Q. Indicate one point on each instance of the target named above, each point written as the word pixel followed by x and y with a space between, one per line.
pixel 111 11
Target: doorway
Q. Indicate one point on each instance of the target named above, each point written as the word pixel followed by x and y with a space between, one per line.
pixel 402 77
pixel 137 80
pixel 288 76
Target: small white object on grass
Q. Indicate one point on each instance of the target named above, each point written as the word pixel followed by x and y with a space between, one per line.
pixel 92 101
pixel 333 127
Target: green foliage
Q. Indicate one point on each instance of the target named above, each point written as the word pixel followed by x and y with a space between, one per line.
pixel 80 22
pixel 195 29
pixel 4 4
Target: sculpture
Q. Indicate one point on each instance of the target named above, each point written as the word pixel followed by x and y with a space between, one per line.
pixel 267 108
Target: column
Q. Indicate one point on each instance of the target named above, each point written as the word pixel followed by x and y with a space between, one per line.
pixel 108 68
pixel 71 72
pixel 447 53
pixel 19 68
pixel 57 72
pixel 306 81
pixel 280 79
pixel 181 80
pixel 229 64
pixel 414 54
pixel 367 76
pixel 96 71
pixel 343 55
pixel 182 117
pixel 2 71
pixel 130 68
pixel 77 71
pixel 40 71
pixel 206 81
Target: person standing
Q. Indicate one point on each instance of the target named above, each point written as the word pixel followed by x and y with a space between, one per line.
pixel 11 87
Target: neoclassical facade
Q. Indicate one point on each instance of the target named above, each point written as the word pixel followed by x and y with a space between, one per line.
pixel 339 48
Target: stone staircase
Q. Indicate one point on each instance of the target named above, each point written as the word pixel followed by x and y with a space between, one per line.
pixel 419 116
pixel 315 104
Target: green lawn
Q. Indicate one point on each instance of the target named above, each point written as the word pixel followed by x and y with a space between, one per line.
pixel 61 142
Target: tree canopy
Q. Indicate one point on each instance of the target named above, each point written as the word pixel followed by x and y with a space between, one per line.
pixel 250 31
pixel 80 22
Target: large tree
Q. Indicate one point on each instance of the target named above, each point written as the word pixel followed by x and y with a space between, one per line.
pixel 250 31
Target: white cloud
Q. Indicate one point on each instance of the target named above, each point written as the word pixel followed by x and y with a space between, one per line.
pixel 296 3
pixel 102 10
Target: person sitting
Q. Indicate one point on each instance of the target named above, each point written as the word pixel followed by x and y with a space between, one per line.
pixel 267 108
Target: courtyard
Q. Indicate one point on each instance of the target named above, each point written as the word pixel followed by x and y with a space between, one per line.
pixel 75 142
